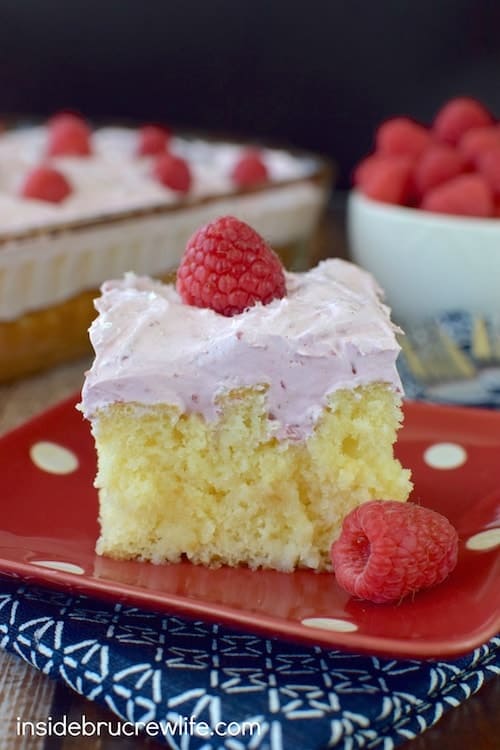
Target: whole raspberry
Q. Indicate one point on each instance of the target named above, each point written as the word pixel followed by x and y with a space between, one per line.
pixel 152 140
pixel 46 184
pixel 388 549
pixel 249 170
pixel 173 172
pixel 465 195
pixel 68 135
pixel 228 267
pixel 477 141
pixel 458 116
pixel 363 169
pixel 436 165
pixel 386 178
pixel 401 136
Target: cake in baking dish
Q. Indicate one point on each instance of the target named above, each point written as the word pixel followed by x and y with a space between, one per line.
pixel 80 205
pixel 241 432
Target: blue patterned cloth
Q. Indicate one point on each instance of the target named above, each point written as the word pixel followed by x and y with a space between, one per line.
pixel 453 358
pixel 269 694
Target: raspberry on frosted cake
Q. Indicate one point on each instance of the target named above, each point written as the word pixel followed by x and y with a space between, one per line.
pixel 240 416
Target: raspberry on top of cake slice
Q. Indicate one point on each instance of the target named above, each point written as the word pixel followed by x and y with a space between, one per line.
pixel 234 319
pixel 240 414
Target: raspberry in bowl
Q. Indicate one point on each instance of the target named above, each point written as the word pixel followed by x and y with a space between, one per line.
pixel 424 212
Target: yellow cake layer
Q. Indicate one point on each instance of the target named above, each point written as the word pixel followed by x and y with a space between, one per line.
pixel 174 485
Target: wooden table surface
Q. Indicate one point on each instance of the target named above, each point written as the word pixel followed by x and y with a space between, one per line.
pixel 31 696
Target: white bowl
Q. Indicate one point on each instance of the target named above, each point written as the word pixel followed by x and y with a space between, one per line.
pixel 426 263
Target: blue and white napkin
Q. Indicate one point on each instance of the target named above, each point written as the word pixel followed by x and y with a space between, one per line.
pixel 198 685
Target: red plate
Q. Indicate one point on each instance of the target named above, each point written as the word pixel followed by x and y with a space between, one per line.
pixel 49 522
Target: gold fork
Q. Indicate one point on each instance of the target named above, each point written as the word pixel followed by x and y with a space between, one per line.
pixel 433 356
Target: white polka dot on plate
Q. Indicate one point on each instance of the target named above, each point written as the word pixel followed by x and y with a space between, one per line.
pixel 60 565
pixel 330 623
pixel 445 456
pixel 53 458
pixel 484 540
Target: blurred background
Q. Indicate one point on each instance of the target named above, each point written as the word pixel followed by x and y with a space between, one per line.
pixel 319 75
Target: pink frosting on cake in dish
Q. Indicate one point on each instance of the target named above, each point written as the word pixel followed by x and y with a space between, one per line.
pixel 114 179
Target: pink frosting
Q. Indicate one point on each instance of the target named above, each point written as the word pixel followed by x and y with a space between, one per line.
pixel 331 331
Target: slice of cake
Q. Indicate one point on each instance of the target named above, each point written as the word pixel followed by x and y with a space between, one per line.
pixel 240 416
